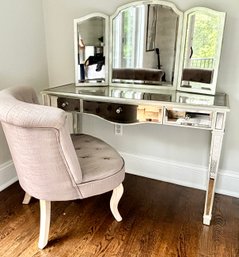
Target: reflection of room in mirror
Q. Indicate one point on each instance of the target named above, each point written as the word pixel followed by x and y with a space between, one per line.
pixel 202 40
pixel 91 59
pixel 202 48
pixel 166 35
pixel 196 99
pixel 144 44
pixel 149 114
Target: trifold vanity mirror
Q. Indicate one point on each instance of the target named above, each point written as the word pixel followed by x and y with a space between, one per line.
pixel 150 44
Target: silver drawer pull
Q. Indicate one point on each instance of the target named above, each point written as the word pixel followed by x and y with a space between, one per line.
pixel 64 104
pixel 119 110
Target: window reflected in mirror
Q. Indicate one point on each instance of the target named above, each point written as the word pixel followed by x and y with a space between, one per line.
pixel 202 48
pixel 144 45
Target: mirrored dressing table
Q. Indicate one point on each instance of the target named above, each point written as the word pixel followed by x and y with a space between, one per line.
pixel 132 106
pixel 150 63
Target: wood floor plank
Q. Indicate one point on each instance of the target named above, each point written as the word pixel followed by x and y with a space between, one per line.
pixel 159 220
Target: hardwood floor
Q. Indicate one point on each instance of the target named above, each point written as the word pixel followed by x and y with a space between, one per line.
pixel 159 219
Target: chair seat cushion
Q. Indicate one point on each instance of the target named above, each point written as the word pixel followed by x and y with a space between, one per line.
pixel 97 159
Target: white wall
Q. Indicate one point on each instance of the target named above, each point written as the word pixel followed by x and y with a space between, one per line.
pixel 22 53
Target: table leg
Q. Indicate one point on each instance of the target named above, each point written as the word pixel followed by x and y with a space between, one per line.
pixel 215 152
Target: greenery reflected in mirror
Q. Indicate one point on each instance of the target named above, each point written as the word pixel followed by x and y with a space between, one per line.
pixel 203 43
pixel 145 44
pixel 202 49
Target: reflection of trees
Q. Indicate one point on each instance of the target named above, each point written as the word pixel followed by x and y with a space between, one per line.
pixel 128 21
pixel 205 36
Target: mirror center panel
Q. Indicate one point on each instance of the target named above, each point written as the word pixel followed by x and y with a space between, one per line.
pixel 145 44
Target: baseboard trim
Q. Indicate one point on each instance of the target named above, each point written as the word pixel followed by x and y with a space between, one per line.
pixel 183 174
pixel 8 175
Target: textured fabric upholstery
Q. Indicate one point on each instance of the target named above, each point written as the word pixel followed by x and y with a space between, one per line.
pixel 97 159
pixel 102 167
pixel 43 153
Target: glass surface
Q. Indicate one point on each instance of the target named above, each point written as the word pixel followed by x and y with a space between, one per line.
pixel 90 44
pixel 204 33
pixel 220 99
pixel 144 45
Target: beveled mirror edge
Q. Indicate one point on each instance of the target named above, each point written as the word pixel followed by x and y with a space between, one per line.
pixel 84 18
pixel 177 55
pixel 182 51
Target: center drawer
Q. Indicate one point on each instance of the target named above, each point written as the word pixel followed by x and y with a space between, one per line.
pixel 120 113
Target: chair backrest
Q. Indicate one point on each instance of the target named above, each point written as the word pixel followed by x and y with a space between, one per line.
pixel 40 145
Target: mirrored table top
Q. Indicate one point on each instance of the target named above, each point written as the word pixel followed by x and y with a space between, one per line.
pixel 134 95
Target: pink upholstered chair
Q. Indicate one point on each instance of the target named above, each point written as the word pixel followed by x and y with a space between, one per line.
pixel 51 164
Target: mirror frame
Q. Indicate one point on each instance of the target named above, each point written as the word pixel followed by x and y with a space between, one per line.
pixel 179 55
pixel 213 85
pixel 106 49
pixel 178 45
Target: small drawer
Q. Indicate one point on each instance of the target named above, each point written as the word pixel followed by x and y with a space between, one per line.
pixel 147 113
pixel 190 118
pixel 120 113
pixel 68 104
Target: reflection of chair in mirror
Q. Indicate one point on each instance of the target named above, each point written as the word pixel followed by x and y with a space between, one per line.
pixel 131 74
pixel 197 75
pixel 52 165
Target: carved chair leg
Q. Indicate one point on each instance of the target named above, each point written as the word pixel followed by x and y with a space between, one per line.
pixel 27 199
pixel 45 217
pixel 114 201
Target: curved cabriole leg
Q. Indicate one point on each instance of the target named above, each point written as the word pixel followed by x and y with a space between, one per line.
pixel 114 201
pixel 45 217
pixel 27 199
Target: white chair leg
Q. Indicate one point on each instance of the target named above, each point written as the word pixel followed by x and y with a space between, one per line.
pixel 27 199
pixel 45 218
pixel 114 201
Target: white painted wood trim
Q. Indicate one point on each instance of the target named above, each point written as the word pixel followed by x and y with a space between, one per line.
pixel 106 48
pixel 45 217
pixel 179 173
pixel 114 201
pixel 178 43
pixel 27 199
pixel 8 175
pixel 184 174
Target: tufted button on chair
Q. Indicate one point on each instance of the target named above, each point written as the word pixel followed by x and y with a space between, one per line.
pixel 51 164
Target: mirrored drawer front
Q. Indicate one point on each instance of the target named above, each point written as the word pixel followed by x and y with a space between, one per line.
pixel 188 118
pixel 120 113
pixel 146 113
pixel 68 104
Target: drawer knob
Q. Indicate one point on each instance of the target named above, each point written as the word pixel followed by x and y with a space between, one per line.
pixel 119 110
pixel 64 104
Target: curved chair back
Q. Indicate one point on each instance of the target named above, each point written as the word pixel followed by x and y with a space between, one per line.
pixel 40 145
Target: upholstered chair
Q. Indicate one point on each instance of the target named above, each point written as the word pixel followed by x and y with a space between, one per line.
pixel 51 164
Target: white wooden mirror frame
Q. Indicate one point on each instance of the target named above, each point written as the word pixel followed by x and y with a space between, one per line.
pixel 106 48
pixel 179 56
pixel 211 87
pixel 178 44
